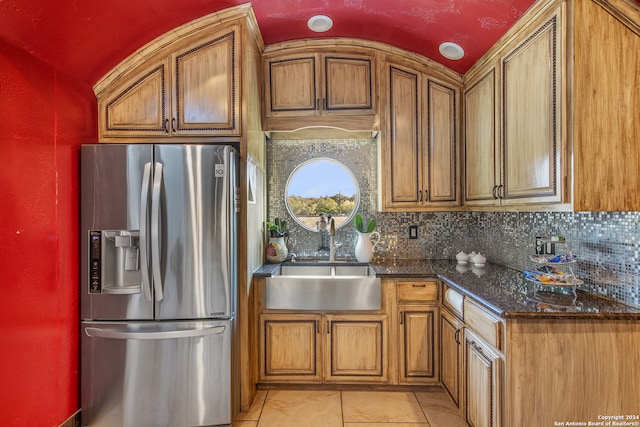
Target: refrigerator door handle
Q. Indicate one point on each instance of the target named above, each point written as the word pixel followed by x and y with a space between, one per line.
pixel 155 231
pixel 161 335
pixel 144 255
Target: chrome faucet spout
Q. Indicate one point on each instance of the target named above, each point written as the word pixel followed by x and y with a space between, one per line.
pixel 333 246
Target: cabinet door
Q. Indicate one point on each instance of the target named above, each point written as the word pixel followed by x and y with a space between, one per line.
pixel 451 353
pixel 483 383
pixel 292 88
pixel 290 348
pixel 356 348
pixel 481 153
pixel 139 106
pixel 403 154
pixel 532 142
pixel 348 85
pixel 206 79
pixel 440 181
pixel 417 344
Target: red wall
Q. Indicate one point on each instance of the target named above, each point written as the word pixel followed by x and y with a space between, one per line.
pixel 44 117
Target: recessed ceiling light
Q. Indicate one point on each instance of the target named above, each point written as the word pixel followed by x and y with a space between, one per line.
pixel 451 50
pixel 320 23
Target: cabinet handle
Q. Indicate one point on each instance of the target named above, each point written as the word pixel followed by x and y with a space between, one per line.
pixel 324 103
pixel 501 191
pixel 317 327
pixel 476 347
pixel 328 329
pixel 165 125
pixel 457 334
pixel 493 191
pixel 417 285
pixel 420 195
pixel 401 317
pixel 318 104
pixel 173 124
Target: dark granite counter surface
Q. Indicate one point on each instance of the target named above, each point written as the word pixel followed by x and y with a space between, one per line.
pixel 506 292
pixel 500 289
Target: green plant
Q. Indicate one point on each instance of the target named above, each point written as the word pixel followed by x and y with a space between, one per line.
pixel 359 225
pixel 278 227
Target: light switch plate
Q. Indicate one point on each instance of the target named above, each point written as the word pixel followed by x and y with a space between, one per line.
pixel 413 231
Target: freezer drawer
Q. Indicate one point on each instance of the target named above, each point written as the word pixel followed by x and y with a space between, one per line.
pixel 156 374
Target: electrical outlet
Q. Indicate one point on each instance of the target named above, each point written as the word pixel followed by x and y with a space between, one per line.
pixel 413 231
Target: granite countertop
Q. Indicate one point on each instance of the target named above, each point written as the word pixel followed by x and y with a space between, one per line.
pixel 502 290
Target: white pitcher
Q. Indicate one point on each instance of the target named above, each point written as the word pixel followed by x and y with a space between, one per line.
pixel 365 245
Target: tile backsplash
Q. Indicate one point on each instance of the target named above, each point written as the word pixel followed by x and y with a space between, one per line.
pixel 607 244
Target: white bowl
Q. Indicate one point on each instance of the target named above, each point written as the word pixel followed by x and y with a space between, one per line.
pixel 462 258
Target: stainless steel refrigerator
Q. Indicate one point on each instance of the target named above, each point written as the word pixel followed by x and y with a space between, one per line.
pixel 158 285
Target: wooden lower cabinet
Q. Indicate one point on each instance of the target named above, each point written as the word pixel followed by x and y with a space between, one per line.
pixel 483 383
pixel 417 343
pixel 312 348
pixel 451 355
pixel 290 347
pixel 356 348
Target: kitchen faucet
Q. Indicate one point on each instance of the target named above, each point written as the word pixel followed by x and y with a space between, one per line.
pixel 333 246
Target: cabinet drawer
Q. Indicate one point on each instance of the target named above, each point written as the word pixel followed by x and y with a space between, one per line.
pixel 486 325
pixel 417 291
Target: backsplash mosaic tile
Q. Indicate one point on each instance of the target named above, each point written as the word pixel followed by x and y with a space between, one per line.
pixel 607 244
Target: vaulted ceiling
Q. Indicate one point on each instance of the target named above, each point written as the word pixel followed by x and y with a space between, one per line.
pixel 86 38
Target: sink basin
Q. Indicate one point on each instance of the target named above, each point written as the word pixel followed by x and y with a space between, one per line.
pixel 324 270
pixel 323 286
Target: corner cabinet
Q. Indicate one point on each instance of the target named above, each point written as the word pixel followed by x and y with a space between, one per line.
pixel 318 87
pixel 514 149
pixel 189 89
pixel 420 154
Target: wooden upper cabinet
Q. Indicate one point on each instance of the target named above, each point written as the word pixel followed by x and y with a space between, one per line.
pixel 139 106
pixel 531 113
pixel 482 149
pixel 420 164
pixel 191 89
pixel 515 152
pixel 205 85
pixel 320 89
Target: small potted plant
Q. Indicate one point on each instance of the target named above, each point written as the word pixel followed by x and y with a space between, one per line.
pixel 277 228
pixel 277 248
pixel 364 245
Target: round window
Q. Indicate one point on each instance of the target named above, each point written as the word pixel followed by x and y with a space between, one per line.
pixel 321 188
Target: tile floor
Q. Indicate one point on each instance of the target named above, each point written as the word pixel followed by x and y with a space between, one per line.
pixel 310 408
